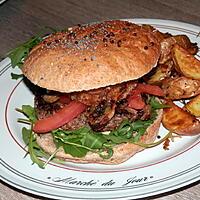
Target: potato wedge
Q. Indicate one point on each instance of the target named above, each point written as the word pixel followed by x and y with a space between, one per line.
pixel 166 47
pixel 162 71
pixel 193 106
pixel 180 88
pixel 177 120
pixel 185 63
pixel 185 42
pixel 168 43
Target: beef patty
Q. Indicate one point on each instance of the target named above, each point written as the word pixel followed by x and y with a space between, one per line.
pixel 107 107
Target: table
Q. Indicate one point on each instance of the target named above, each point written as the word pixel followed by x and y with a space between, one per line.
pixel 20 19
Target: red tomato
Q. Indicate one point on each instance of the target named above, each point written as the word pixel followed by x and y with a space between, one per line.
pixel 150 89
pixel 135 100
pixel 63 116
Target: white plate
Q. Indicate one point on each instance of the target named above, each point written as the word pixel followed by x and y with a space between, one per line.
pixel 2 1
pixel 150 172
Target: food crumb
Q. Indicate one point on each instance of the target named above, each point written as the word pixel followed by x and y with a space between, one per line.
pixel 166 144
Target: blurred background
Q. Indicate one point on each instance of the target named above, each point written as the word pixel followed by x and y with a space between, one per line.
pixel 20 19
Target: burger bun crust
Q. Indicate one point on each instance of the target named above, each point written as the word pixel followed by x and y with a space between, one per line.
pixel 93 56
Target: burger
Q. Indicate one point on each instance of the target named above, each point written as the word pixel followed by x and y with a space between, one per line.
pixel 92 104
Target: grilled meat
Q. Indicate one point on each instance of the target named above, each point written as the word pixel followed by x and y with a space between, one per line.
pixel 107 108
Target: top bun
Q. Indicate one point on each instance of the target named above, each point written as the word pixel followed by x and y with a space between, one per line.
pixel 93 56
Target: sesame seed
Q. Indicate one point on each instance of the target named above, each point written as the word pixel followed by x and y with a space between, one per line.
pixel 48 44
pixel 151 43
pixel 108 35
pixel 119 43
pixel 112 34
pixel 105 40
pixel 93 58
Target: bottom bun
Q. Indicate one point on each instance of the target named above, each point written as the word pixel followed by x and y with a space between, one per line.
pixel 121 152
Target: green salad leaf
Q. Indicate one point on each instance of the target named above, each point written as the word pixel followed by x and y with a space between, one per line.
pixel 74 147
pixel 32 145
pixel 29 139
pixel 29 112
pixel 26 133
pixel 18 54
pixel 16 76
pixel 156 104
pixel 93 141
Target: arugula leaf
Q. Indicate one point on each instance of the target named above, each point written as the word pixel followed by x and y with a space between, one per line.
pixel 33 156
pixel 64 133
pixel 75 148
pixel 156 104
pixel 16 76
pixel 26 134
pixel 29 111
pixel 28 137
pixel 18 54
pixel 79 145
pixel 113 139
pixel 33 148
pixel 106 153
pixel 71 141
pixel 93 141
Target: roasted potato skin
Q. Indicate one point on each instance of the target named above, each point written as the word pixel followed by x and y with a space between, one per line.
pixel 185 63
pixel 185 42
pixel 193 106
pixel 168 43
pixel 180 88
pixel 166 47
pixel 178 74
pixel 162 71
pixel 179 121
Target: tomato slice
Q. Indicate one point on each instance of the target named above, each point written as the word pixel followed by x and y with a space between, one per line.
pixel 150 89
pixel 135 100
pixel 63 116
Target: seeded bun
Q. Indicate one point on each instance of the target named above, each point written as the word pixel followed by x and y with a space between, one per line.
pixel 93 56
pixel 122 152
